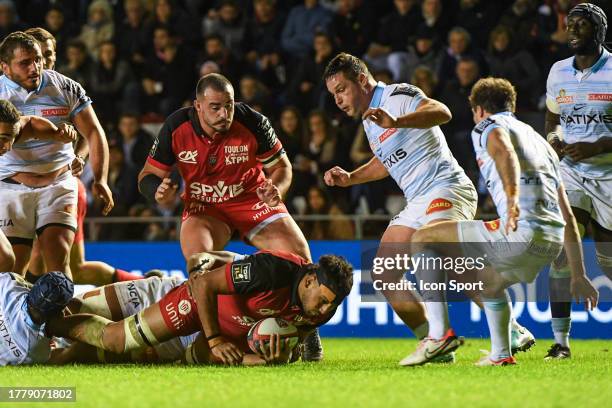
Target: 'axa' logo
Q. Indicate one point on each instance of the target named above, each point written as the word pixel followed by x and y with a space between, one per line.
pixel 188 156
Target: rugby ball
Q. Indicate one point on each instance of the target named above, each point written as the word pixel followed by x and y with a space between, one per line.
pixel 260 333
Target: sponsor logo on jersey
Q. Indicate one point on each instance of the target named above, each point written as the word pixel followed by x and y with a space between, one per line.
pixel 184 307
pixel 259 206
pixel 492 225
pixel 387 134
pixel 266 210
pixel 54 112
pixel 217 193
pixel 133 297
pixel 586 119
pixel 564 98
pixel 6 223
pixel 600 97
pixel 241 273
pixel 173 315
pixel 188 156
pixel 394 158
pixel 236 154
pixel 439 204
pixel 5 335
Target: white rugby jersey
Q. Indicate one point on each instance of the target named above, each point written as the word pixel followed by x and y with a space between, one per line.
pixel 583 99
pixel 21 340
pixel 58 99
pixel 540 177
pixel 417 159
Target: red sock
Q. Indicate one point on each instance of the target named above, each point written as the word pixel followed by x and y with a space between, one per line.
pixel 121 276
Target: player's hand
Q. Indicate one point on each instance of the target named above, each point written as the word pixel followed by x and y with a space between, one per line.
pixel 512 214
pixel 582 288
pixel 558 146
pixel 228 353
pixel 102 192
pixel 66 133
pixel 381 117
pixel 166 192
pixel 77 166
pixel 269 193
pixel 337 176
pixel 581 150
pixel 277 352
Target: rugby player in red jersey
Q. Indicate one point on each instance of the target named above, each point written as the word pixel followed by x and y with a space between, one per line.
pixel 223 303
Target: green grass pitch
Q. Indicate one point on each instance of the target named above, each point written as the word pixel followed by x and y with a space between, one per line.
pixel 355 373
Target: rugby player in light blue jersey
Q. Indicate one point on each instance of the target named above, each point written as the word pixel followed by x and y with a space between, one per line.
pixel 523 177
pixel 402 127
pixel 37 190
pixel 579 128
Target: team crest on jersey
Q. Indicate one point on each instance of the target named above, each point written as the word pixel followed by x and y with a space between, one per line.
pixel 241 273
pixel 212 159
pixel 184 307
pixel 492 225
pixel 188 156
pixel 564 98
pixel 439 204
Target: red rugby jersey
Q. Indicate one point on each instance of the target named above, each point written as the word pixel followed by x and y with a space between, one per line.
pixel 220 168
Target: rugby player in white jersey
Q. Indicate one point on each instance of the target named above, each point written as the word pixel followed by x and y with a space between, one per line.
pixel 579 128
pixel 523 178
pixel 402 127
pixel 37 190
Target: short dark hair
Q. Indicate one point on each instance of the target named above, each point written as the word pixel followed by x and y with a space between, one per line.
pixel 11 42
pixel 348 64
pixel 78 44
pixel 493 95
pixel 338 275
pixel 41 35
pixel 8 112
pixel 215 81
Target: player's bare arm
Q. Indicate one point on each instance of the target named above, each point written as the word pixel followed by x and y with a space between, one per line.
pixel 502 152
pixel 204 289
pixel 88 125
pixel 553 132
pixel 428 114
pixel 35 127
pixel 81 152
pixel 206 261
pixel 371 171
pixel 584 150
pixel 155 184
pixel 278 182
pixel 580 285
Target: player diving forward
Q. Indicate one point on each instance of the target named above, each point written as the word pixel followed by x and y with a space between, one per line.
pixel 522 174
pixel 579 99
pixel 402 126
pixel 221 303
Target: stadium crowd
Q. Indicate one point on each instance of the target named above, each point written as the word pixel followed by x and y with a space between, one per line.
pixel 139 60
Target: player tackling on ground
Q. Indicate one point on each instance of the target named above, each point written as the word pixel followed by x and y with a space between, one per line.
pixel 522 175
pixel 579 128
pixel 402 126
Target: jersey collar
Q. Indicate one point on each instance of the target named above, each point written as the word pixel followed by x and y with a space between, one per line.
pixel 14 85
pixel 378 92
pixel 605 54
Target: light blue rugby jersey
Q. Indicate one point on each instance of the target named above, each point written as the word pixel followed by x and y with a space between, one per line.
pixel 419 160
pixel 540 176
pixel 21 340
pixel 583 99
pixel 58 99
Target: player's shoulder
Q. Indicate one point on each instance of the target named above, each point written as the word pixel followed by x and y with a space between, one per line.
pixel 55 79
pixel 248 116
pixel 402 89
pixel 561 67
pixel 282 256
pixel 486 125
pixel 180 116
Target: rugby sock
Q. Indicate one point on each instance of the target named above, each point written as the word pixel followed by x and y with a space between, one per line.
pixel 30 277
pixel 435 300
pixel 121 276
pixel 561 328
pixel 498 312
pixel 421 331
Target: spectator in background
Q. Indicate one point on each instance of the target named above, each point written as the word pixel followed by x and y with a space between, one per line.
pixel 478 18
pixel 307 90
pixel 99 27
pixel 425 78
pixel 522 18
pixel 254 93
pixel 506 60
pixel 292 134
pixel 424 52
pixel 459 47
pixel 9 20
pixel 352 26
pixel 168 13
pixel 135 141
pixel 132 35
pixel 62 30
pixel 169 75
pixel 263 52
pixel 436 18
pixel 396 32
pixel 303 22
pixel 216 51
pixel 78 66
pixel 228 21
pixel 338 227
pixel 112 84
pixel 457 131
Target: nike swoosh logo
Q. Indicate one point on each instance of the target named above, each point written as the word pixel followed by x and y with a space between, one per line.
pixel 578 107
pixel 435 351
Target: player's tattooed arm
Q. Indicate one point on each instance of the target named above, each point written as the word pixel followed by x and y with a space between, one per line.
pixel 206 261
pixel 205 286
pixel 35 127
pixel 502 152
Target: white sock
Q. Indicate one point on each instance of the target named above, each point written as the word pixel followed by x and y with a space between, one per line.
pixel 561 329
pixel 437 315
pixel 498 312
pixel 421 331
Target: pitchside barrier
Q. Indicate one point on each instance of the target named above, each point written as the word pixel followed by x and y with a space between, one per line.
pixel 359 318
